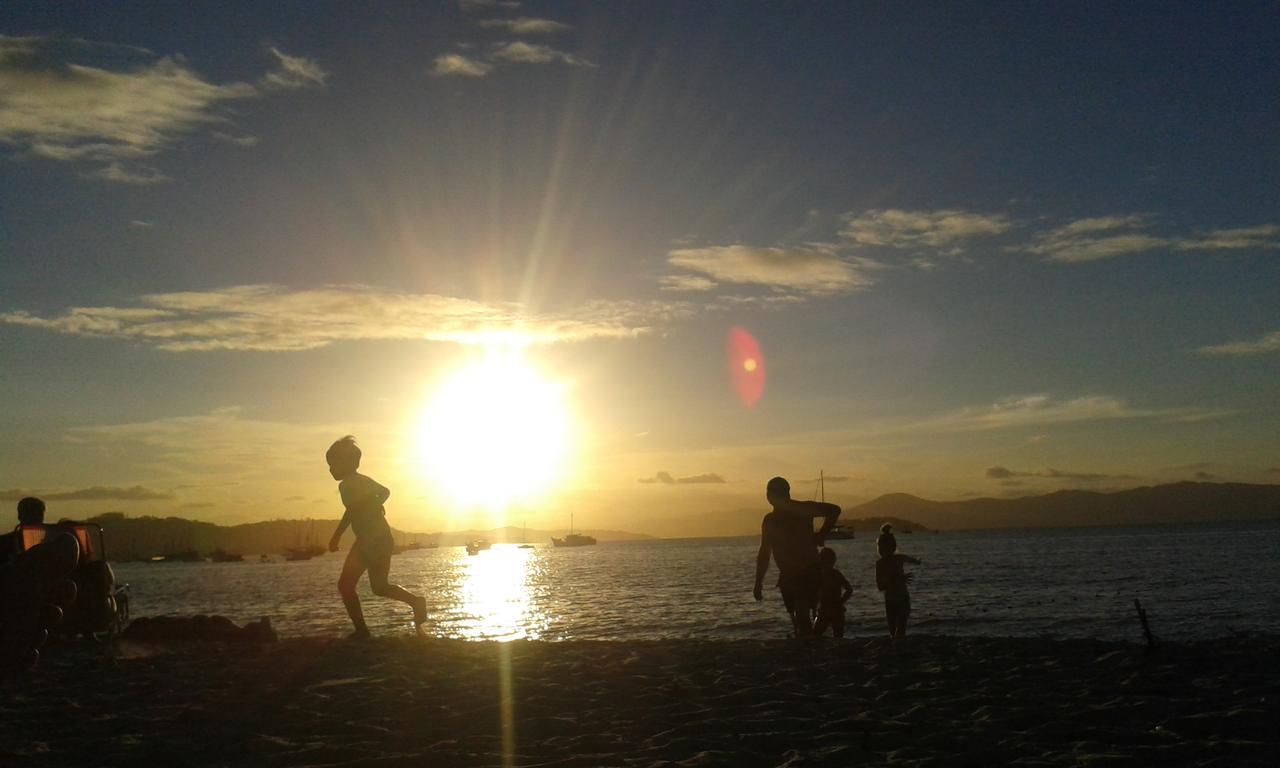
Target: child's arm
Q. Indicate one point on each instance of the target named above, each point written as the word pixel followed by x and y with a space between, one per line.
pixel 846 589
pixel 910 559
pixel 342 526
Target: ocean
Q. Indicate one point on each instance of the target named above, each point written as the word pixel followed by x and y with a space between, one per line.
pixel 1195 582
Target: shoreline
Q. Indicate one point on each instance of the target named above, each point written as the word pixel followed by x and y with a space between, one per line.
pixel 926 700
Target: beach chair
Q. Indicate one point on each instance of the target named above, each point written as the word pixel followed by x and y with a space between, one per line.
pixel 101 605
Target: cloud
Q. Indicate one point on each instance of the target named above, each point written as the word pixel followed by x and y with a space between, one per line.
pixel 275 318
pixel 1265 345
pixel 526 26
pixel 667 479
pixel 94 493
pixel 59 106
pixel 520 52
pixel 294 498
pixel 1263 236
pixel 1039 410
pixel 1106 237
pixel 1004 473
pixel 141 224
pixel 812 271
pixel 894 228
pixel 294 72
pixel 686 283
pixel 199 505
pixel 483 5
pixel 456 64
pixel 115 172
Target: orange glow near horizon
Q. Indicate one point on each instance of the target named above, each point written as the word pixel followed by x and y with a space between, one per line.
pixel 495 433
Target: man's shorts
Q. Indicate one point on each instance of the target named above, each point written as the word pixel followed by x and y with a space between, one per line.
pixel 800 589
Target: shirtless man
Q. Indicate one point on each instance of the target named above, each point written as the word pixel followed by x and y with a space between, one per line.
pixel 787 534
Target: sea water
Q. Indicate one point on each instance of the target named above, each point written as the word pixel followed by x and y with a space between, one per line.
pixel 1194 581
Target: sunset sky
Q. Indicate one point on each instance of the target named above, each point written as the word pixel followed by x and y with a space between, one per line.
pixel 983 249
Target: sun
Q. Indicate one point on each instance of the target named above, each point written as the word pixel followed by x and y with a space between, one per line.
pixel 495 432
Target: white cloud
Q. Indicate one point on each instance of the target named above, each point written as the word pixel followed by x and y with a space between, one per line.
pixel 1106 237
pixel 686 283
pixel 57 108
pixel 813 271
pixel 1266 345
pixel 1263 236
pixel 908 229
pixel 526 26
pixel 457 64
pixel 528 53
pixel 274 318
pixel 294 72
pixel 140 176
pixel 1040 410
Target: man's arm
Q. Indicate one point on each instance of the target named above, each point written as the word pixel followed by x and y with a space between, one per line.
pixel 762 564
pixel 832 513
pixel 807 509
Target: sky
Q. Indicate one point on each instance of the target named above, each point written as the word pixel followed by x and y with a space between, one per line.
pixel 656 253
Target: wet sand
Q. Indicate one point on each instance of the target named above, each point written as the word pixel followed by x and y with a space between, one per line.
pixel 925 701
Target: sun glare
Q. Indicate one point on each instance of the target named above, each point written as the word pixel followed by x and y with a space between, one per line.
pixel 495 432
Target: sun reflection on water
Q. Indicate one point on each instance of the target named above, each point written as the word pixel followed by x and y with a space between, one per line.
pixel 497 594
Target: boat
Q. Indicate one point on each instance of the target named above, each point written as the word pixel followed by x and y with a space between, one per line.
pixel 304 551
pixel 524 539
pixel 838 532
pixel 221 555
pixel 476 546
pixel 572 539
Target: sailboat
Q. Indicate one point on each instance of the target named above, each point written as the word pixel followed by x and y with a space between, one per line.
pixel 524 539
pixel 837 531
pixel 572 539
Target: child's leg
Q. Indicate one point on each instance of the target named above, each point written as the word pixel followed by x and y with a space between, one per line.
pixel 351 570
pixel 379 570
pixel 837 623
pixel 823 621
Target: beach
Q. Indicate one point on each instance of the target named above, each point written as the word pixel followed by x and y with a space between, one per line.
pixel 922 701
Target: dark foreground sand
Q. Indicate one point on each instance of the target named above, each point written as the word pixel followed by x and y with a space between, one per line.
pixel 410 702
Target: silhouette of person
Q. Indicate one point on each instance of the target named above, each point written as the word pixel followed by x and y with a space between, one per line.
pixel 362 498
pixel 786 534
pixel 35 588
pixel 833 592
pixel 891 580
pixel 30 512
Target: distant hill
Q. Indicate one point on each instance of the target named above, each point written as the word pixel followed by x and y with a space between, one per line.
pixel 1172 503
pixel 140 538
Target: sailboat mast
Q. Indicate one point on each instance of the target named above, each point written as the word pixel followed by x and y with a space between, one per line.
pixel 822 486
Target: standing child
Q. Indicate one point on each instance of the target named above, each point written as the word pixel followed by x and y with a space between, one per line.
pixel 893 582
pixel 363 497
pixel 833 593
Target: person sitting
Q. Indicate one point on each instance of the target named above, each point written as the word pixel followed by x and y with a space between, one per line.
pixel 30 512
pixel 35 588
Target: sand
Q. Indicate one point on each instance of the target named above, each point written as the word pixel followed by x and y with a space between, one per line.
pixel 413 701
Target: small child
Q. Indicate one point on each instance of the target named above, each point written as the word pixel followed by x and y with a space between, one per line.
pixel 833 593
pixel 363 497
pixel 893 582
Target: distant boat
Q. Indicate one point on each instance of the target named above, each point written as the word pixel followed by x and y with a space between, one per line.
pixel 475 547
pixel 221 555
pixel 183 556
pixel 303 553
pixel 572 539
pixel 837 531
pixel 524 539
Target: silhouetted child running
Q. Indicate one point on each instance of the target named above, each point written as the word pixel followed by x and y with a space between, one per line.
pixel 833 593
pixel 893 582
pixel 363 497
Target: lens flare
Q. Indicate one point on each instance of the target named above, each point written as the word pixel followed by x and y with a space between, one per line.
pixel 746 367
